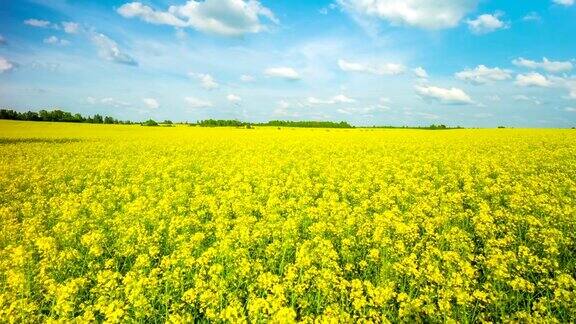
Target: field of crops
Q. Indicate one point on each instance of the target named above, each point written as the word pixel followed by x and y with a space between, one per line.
pixel 131 223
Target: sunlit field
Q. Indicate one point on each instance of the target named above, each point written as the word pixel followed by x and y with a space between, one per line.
pixel 131 223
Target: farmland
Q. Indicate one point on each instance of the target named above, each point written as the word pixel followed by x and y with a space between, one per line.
pixel 127 223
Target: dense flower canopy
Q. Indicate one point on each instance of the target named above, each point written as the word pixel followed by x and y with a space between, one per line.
pixel 130 223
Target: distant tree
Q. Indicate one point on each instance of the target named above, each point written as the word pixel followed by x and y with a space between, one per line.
pixel 97 119
pixel 31 115
pixel 167 122
pixel 150 122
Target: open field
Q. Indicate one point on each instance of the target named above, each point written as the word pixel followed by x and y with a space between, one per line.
pixel 131 223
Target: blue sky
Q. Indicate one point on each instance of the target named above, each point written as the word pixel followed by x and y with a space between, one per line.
pixel 369 62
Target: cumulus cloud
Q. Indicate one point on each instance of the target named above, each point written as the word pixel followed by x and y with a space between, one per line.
pixel 381 69
pixel 222 17
pixel 37 23
pixel 425 14
pixel 194 103
pixel 482 75
pixel 452 96
pixel 5 65
pixel 282 72
pixel 486 23
pixel 147 14
pixel 546 65
pixel 235 99
pixel 419 72
pixel 566 3
pixel 151 103
pixel 206 80
pixel 109 50
pixel 330 101
pixel 70 27
pixel 533 79
pixel 53 40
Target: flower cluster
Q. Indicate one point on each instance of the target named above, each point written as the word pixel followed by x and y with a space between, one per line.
pixel 183 224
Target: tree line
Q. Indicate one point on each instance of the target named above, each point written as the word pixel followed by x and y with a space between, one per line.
pixel 275 123
pixel 59 116
pixel 64 116
pixel 432 127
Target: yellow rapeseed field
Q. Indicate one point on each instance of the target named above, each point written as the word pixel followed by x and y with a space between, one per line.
pixel 151 224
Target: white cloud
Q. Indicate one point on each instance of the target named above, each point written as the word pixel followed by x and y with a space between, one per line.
pixel 197 103
pixel 206 80
pixel 568 83
pixel 151 103
pixel 2 40
pixel 452 96
pixel 566 3
pixel 222 17
pixel 283 104
pixel 283 110
pixel 351 66
pixel 533 100
pixel 494 98
pixel 334 100
pixel 426 14
pixel 546 65
pixel 421 114
pixel 246 78
pixel 482 74
pixel 70 27
pixel 109 50
pixel 113 102
pixel 532 16
pixel 327 9
pixel 420 73
pixel 363 110
pixel 5 65
pixel 381 69
pixel 282 72
pixel 572 89
pixel 37 23
pixel 137 9
pixel 235 99
pixel 53 40
pixel 570 109
pixel 343 99
pixel 532 80
pixel 487 23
